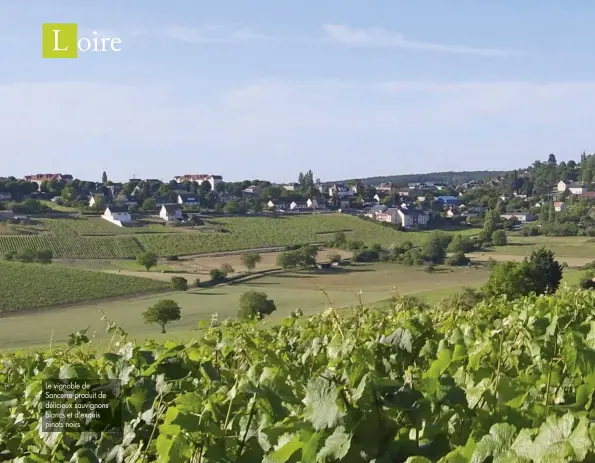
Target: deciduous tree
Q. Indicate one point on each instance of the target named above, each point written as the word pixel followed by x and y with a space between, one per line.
pixel 163 312
pixel 255 304
pixel 147 260
pixel 250 259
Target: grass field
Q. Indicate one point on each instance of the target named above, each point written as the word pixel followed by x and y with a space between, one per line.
pixel 571 246
pixel 289 291
pixel 377 282
pixel 31 286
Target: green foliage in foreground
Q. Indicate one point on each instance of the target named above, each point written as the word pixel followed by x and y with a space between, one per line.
pixel 29 286
pixel 501 382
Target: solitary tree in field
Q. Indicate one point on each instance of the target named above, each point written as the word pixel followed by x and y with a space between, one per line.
pixel 162 313
pixel 255 304
pixel 250 259
pixel 147 260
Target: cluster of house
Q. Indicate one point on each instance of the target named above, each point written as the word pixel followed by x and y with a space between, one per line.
pixel 406 215
pixel 120 215
pixel 575 189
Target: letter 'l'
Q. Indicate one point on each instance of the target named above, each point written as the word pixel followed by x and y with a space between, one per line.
pixel 57 41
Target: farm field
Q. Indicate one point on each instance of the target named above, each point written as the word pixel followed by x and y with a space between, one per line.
pixel 289 291
pixel 38 286
pixel 257 232
pixel 95 238
pixel 75 247
pixel 94 226
pixel 563 247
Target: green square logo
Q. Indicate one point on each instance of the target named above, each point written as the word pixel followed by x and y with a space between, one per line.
pixel 59 40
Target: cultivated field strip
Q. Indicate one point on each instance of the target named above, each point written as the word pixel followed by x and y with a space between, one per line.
pixel 73 246
pixel 41 286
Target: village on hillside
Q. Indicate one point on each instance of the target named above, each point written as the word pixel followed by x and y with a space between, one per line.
pixel 541 191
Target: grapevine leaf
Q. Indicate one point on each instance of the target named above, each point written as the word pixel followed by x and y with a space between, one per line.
pixel 321 404
pixel 284 450
pixel 335 446
pixel 402 338
pixel 557 438
pixel 494 444
pixel 310 449
pixel 172 449
pixel 580 440
pixel 439 365
pixel 523 444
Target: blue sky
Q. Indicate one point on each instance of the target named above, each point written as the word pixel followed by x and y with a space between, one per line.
pixel 265 89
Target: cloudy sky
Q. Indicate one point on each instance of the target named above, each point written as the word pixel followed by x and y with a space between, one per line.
pixel 266 88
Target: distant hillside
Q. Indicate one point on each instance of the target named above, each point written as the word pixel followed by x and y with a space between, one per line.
pixel 441 177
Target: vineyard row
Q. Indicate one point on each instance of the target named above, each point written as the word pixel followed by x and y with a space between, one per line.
pixel 71 246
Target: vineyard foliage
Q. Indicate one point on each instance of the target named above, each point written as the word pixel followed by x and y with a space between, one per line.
pixel 95 238
pixel 259 232
pixel 65 246
pixel 503 382
pixel 29 286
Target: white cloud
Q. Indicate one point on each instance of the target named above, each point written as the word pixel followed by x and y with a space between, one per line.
pixel 340 128
pixel 378 37
pixel 100 32
pixel 212 33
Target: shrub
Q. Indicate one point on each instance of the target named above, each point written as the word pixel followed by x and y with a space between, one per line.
pixel 530 230
pixel 226 269
pixel 499 238
pixel 461 244
pixel 366 255
pixel 286 260
pixel 434 249
pixel 255 304
pixel 217 275
pixel 27 255
pixel 9 255
pixel 458 259
pixel 353 245
pixel 179 283
pixel 465 300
